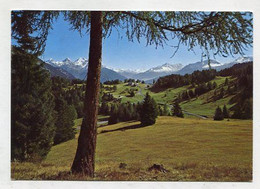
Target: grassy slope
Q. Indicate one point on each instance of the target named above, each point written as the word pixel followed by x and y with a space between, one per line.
pixel 201 105
pixel 198 106
pixel 190 149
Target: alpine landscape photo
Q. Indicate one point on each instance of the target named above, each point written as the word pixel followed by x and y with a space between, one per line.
pixel 132 95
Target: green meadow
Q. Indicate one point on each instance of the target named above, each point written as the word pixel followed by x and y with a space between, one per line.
pixel 188 149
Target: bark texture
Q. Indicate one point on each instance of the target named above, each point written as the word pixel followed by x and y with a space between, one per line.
pixel 84 161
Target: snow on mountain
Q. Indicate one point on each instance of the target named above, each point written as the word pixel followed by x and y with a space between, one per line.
pixel 67 61
pixel 166 68
pixel 80 62
pixel 128 73
pixel 78 69
pixel 212 65
pixel 243 59
pixel 188 69
pixel 237 61
pixel 159 71
pixel 83 62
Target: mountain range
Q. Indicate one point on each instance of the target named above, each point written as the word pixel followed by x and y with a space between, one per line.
pixel 78 69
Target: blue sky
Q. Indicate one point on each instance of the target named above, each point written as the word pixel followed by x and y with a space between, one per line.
pixel 118 52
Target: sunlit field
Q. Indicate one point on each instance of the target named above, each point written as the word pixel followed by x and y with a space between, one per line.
pixel 188 150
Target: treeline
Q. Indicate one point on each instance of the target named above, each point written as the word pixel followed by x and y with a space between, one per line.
pixel 242 88
pixel 146 111
pixel 243 109
pixel 236 70
pixel 175 81
pixel 200 89
pixel 117 81
pixel 124 112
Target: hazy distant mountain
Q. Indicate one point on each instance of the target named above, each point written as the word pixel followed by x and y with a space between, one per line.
pixel 204 65
pixel 199 66
pixel 78 69
pixel 165 69
pixel 237 61
pixel 128 73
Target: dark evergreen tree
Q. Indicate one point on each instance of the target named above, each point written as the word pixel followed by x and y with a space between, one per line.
pixel 149 111
pixel 226 81
pixel 191 94
pixel 221 93
pixel 32 115
pixel 214 85
pixel 176 110
pixel 218 114
pixel 243 110
pixel 209 86
pixel 66 114
pixel 225 112
pixel 113 119
pixel 104 109
pixel 247 109
pixel 131 93
pixel 229 91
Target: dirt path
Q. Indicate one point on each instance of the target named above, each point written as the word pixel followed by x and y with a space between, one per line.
pixel 189 113
pixel 140 91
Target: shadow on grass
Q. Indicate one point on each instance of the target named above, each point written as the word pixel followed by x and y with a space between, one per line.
pixel 106 125
pixel 136 126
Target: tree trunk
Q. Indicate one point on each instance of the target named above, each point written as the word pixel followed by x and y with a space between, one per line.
pixel 84 161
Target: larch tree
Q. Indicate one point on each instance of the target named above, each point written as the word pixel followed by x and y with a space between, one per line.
pixel 222 33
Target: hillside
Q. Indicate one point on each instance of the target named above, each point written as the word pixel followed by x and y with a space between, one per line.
pixel 198 105
pixel 172 87
pixel 189 149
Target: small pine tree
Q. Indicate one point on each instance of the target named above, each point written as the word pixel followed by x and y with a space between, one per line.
pixel 148 111
pixel 209 86
pixel 247 108
pixel 176 110
pixel 225 112
pixel 214 85
pixel 113 119
pixel 218 114
pixel 131 93
pixel 191 94
pixel 226 81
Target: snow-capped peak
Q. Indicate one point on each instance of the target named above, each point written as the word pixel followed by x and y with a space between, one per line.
pixel 213 64
pixel 54 63
pixel 81 62
pixel 67 61
pixel 166 68
pixel 127 70
pixel 244 59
